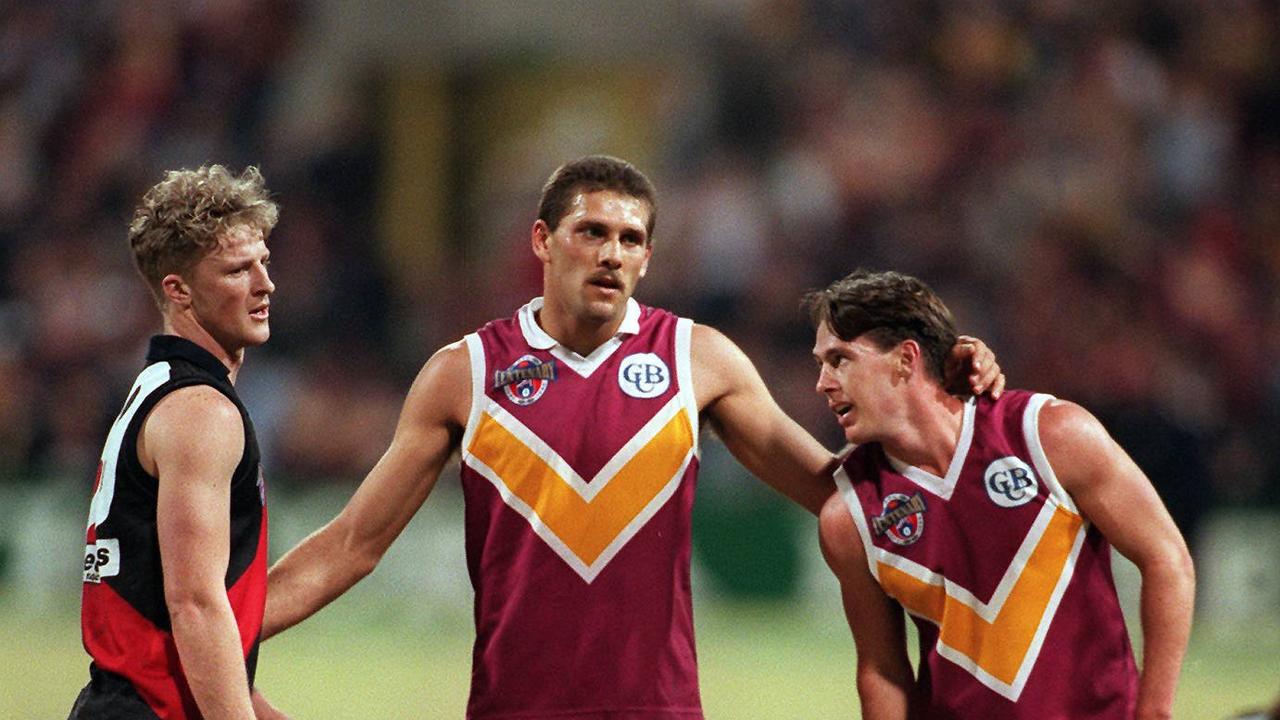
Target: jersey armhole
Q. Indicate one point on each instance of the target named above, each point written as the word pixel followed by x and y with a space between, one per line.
pixel 475 355
pixel 1031 433
pixel 684 372
pixel 844 486
pixel 148 403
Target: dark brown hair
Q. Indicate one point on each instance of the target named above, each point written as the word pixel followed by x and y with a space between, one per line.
pixel 592 174
pixel 887 308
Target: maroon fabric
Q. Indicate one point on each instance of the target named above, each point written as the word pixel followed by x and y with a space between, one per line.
pixel 548 642
pixel 1085 668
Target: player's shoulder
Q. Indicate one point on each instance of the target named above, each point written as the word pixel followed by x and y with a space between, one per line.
pixel 451 352
pixel 708 343
pixel 835 514
pixel 718 363
pixel 838 536
pixel 449 364
pixel 1069 432
pixel 442 388
pixel 191 425
pixel 196 408
pixel 1064 416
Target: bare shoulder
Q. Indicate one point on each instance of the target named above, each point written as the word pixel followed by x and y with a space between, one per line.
pixel 1066 427
pixel 838 535
pixel 193 424
pixel 835 516
pixel 710 345
pixel 719 365
pixel 1081 451
pixel 452 361
pixel 442 389
pixel 196 410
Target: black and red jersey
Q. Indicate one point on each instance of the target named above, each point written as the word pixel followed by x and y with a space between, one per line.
pixel 124 619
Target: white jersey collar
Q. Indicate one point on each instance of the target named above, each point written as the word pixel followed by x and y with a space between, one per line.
pixel 539 339
pixel 943 486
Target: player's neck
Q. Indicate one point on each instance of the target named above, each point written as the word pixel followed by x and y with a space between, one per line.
pixel 932 433
pixel 183 325
pixel 581 335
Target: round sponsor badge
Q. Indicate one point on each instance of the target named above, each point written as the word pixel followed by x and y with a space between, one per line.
pixel 1010 482
pixel 643 375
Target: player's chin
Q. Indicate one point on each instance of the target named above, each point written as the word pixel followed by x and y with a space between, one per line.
pixel 257 335
pixel 603 310
pixel 856 435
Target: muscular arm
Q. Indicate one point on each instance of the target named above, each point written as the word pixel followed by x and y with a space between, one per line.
pixel 335 557
pixel 731 394
pixel 192 441
pixel 1111 491
pixel 884 676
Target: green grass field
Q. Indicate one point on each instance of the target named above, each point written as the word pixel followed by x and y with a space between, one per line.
pixel 757 662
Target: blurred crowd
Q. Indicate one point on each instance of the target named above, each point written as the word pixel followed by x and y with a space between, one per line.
pixel 1093 187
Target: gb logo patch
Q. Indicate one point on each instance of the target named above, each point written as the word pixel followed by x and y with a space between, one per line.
pixel 1010 482
pixel 643 375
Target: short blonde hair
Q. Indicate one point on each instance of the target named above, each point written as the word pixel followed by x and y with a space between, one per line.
pixel 181 218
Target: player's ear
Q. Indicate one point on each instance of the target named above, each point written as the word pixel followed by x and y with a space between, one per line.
pixel 909 353
pixel 175 290
pixel 539 239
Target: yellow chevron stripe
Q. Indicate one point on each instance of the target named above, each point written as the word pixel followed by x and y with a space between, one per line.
pixel 998 647
pixel 586 528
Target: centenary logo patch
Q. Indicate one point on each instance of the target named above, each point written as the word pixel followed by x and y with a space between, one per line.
pixel 902 518
pixel 101 559
pixel 1010 482
pixel 643 375
pixel 526 379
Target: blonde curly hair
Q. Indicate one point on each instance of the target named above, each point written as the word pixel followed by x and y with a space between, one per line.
pixel 181 218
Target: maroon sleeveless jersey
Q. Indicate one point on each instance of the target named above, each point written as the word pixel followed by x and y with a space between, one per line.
pixel 136 672
pixel 578 474
pixel 1009 585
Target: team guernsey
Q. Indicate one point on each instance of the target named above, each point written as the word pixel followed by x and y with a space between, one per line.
pixel 1009 586
pixel 135 671
pixel 578 475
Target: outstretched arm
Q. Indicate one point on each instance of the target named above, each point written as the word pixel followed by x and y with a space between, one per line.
pixel 338 555
pixel 731 394
pixel 192 442
pixel 884 676
pixel 1110 491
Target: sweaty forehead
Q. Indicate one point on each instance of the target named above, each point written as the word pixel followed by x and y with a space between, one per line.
pixel 609 205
